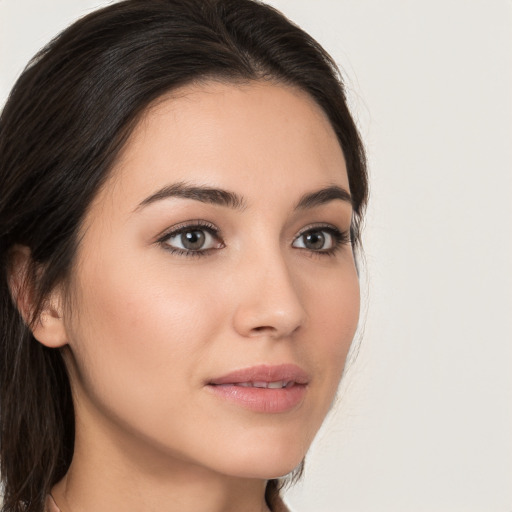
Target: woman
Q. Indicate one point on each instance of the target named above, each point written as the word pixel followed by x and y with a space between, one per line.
pixel 182 187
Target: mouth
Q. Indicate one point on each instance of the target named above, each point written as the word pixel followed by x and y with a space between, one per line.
pixel 279 384
pixel 264 388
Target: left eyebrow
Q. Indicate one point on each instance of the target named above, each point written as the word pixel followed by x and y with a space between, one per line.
pixel 322 196
pixel 197 193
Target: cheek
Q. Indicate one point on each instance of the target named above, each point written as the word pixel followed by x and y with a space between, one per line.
pixel 334 315
pixel 139 331
pixel 342 316
pixel 129 301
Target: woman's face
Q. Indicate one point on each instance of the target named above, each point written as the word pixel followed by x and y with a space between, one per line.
pixel 215 295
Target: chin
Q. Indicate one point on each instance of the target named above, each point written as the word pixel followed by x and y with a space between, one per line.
pixel 268 461
pixel 265 470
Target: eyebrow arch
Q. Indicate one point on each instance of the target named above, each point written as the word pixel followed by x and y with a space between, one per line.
pixel 198 193
pixel 323 196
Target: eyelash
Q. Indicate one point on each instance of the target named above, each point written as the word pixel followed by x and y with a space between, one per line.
pixel 184 228
pixel 340 238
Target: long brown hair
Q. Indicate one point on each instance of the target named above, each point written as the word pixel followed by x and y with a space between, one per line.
pixel 61 129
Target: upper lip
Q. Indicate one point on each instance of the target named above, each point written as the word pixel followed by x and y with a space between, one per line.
pixel 264 373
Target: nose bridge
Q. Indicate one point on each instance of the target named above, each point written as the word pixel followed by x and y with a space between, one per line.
pixel 270 303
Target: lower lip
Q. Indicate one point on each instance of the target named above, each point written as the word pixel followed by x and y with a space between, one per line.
pixel 266 400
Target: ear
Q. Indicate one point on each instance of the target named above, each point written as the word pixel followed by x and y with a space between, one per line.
pixel 48 325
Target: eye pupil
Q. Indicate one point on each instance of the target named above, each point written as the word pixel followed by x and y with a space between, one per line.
pixel 314 240
pixel 193 240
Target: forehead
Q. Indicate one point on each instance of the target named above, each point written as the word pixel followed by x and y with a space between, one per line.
pixel 253 138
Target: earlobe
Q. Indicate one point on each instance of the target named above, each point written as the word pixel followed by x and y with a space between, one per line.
pixel 47 324
pixel 48 328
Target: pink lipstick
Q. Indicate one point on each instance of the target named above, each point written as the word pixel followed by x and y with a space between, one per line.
pixel 263 388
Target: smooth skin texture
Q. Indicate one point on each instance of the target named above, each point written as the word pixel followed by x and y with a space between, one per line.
pixel 146 323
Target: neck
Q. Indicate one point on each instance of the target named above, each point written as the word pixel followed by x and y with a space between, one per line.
pixel 109 487
pixel 71 495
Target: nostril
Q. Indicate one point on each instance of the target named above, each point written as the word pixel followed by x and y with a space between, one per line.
pixel 264 328
pixel 273 332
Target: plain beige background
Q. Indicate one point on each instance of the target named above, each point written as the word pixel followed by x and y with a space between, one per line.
pixel 424 420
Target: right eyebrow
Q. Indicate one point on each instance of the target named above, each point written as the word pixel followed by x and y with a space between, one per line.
pixel 200 193
pixel 323 196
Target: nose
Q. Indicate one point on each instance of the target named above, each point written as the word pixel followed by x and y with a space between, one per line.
pixel 269 303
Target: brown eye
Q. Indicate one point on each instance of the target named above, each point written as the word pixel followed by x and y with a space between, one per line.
pixel 316 240
pixel 192 239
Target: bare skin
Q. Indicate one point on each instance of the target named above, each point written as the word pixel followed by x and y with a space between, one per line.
pixel 148 322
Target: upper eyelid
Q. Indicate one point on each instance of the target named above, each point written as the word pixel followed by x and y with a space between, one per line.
pixel 186 226
pixel 203 224
pixel 318 227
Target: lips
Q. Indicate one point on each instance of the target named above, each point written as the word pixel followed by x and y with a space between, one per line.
pixel 264 388
pixel 264 374
pixel 268 385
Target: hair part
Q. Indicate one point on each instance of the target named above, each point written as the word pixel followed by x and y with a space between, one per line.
pixel 65 122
